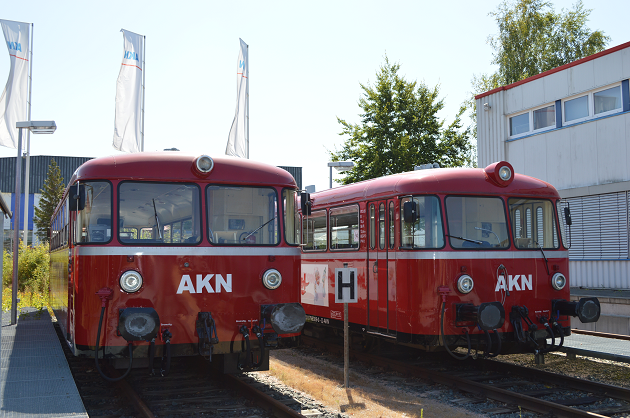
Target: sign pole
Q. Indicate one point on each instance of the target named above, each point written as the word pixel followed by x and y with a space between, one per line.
pixel 346 348
pixel 346 291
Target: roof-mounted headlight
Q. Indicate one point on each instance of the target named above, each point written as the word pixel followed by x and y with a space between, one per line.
pixel 204 164
pixel 272 279
pixel 131 281
pixel 500 173
pixel 505 173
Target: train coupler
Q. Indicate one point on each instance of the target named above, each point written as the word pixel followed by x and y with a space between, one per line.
pixel 207 333
pixel 517 316
pixel 586 309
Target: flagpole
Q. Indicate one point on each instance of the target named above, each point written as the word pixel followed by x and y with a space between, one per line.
pixel 144 51
pixel 28 144
pixel 247 100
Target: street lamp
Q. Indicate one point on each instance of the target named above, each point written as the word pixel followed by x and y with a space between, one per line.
pixel 340 166
pixel 36 127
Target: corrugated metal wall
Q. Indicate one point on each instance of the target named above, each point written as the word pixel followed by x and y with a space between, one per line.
pixel 296 172
pixel 491 129
pixel 593 274
pixel 38 171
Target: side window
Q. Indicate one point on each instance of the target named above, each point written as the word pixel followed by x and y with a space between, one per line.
pixel 372 226
pixel 291 216
pixel 392 224
pixel 344 228
pixel 381 226
pixel 314 231
pixel 94 222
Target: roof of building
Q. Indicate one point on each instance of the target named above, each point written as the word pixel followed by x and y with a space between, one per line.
pixel 555 70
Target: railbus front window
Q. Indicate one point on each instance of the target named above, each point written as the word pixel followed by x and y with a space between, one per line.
pixel 94 222
pixel 427 230
pixel 159 213
pixel 476 222
pixel 241 215
pixel 533 223
pixel 314 231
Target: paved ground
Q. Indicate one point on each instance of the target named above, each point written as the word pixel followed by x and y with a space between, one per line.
pixel 35 380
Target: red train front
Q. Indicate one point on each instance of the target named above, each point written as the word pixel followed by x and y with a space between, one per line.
pixel 177 256
pixel 445 258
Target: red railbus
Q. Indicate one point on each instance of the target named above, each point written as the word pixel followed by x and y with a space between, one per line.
pixel 168 254
pixel 445 258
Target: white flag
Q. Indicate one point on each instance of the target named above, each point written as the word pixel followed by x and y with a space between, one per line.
pixel 238 140
pixel 128 135
pixel 13 102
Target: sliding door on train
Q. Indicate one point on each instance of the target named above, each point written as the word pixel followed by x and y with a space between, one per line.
pixel 381 270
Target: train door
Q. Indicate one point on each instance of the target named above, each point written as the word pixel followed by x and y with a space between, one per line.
pixel 381 284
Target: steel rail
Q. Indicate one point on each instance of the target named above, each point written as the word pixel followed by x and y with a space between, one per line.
pixel 560 380
pixel 488 391
pixel 133 397
pixel 279 409
pixel 601 334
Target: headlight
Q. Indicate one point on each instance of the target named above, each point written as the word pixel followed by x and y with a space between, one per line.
pixel 558 281
pixel 204 164
pixel 465 284
pixel 131 281
pixel 505 173
pixel 272 279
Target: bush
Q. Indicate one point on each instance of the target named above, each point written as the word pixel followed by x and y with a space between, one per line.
pixel 33 269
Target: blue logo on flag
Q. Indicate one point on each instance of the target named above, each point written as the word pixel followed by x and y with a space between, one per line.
pixel 16 46
pixel 130 55
pixel 242 64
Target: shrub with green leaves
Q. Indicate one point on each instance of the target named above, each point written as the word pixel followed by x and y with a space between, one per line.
pixel 33 269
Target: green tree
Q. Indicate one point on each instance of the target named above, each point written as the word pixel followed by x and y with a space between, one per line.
pixel 400 129
pixel 533 38
pixel 51 196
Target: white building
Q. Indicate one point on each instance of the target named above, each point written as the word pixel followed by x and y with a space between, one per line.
pixel 570 126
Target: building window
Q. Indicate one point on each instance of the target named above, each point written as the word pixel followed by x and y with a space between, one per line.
pixel 576 109
pixel 596 103
pixel 538 119
pixel 519 124
pixel 607 100
pixel 544 117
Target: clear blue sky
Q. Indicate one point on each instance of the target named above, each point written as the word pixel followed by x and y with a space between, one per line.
pixel 306 63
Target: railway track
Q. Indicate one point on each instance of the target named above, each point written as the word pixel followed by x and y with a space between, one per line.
pixel 191 389
pixel 515 386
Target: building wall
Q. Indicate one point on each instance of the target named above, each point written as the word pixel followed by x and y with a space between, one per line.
pixel 588 161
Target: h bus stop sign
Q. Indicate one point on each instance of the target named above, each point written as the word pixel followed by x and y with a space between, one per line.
pixel 346 287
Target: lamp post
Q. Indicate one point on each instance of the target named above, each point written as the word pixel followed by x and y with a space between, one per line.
pixel 340 166
pixel 36 127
